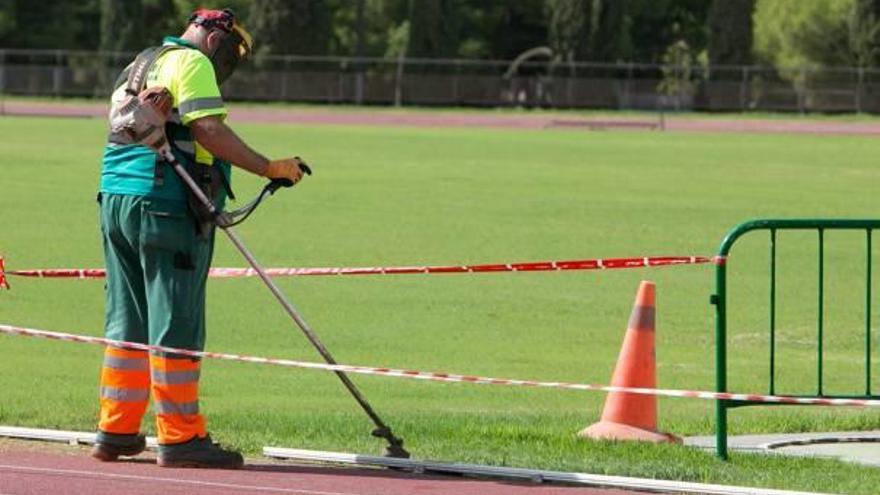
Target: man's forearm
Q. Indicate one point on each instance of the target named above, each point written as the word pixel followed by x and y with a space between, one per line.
pixel 221 141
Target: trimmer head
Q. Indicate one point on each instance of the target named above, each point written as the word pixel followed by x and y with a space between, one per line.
pixel 398 451
pixel 395 445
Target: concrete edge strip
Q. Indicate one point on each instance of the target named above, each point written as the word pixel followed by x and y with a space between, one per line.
pixel 534 475
pixel 61 436
pixel 419 466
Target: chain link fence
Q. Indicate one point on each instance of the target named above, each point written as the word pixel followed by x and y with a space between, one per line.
pixel 490 83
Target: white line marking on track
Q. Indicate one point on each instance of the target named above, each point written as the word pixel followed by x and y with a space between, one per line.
pixel 109 476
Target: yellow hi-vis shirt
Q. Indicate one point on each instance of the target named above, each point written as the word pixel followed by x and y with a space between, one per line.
pixel 189 76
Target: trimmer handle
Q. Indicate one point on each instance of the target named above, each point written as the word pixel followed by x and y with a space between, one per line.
pixel 276 184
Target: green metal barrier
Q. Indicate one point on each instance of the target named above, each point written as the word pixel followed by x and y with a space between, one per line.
pixel 719 299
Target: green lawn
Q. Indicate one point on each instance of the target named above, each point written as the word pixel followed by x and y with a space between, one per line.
pixel 409 196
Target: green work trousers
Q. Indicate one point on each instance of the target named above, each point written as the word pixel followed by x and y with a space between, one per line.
pixel 157 269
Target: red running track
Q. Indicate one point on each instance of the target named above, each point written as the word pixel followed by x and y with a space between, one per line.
pixel 513 120
pixel 29 468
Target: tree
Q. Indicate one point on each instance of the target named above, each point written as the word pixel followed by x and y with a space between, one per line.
pixel 568 28
pixel 364 27
pixel 610 39
pixel 864 32
pixel 806 35
pixel 434 28
pixel 591 30
pixel 500 29
pixel 131 25
pixel 730 32
pixel 183 8
pixel 803 38
pixel 286 27
pixel 517 26
pixel 8 18
pixel 162 18
pixel 360 28
pixel 28 24
pixel 122 29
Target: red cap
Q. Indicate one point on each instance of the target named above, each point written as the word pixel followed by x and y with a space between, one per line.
pixel 214 19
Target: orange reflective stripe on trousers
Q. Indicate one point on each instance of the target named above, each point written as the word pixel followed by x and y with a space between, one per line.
pixel 125 390
pixel 175 387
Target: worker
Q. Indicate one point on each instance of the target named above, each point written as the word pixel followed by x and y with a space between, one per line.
pixel 157 254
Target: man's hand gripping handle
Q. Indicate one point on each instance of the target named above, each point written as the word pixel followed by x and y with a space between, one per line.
pixel 286 172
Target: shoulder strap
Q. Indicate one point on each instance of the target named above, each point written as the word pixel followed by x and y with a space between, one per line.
pixel 137 75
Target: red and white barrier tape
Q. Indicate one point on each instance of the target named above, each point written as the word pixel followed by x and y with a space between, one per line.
pixel 3 284
pixel 441 377
pixel 538 266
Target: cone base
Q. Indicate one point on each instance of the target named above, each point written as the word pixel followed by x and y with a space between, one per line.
pixel 609 430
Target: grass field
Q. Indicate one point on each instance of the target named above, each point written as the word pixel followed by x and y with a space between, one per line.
pixel 383 196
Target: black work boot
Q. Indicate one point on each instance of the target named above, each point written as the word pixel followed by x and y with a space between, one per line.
pixel 198 453
pixel 109 446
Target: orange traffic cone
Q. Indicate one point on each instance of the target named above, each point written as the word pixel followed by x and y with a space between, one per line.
pixel 633 416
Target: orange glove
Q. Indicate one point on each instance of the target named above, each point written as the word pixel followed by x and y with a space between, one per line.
pixel 286 168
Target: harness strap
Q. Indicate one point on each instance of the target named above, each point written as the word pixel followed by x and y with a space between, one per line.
pixel 135 77
pixel 159 172
pixel 137 81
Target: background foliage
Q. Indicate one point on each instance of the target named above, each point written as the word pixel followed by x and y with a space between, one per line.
pixel 784 32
